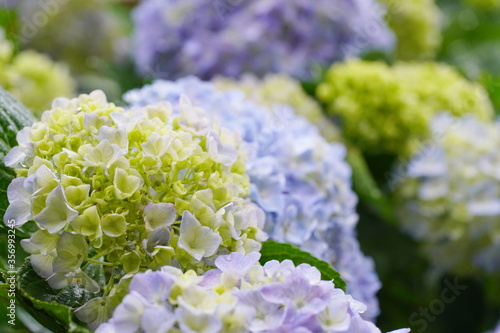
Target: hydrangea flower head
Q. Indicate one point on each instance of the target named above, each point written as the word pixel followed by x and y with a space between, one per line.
pixel 417 25
pixel 387 109
pixel 450 195
pixel 32 77
pixel 134 189
pixel 240 295
pixel 176 38
pixel 301 181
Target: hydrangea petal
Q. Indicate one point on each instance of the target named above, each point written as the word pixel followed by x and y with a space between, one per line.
pixel 57 214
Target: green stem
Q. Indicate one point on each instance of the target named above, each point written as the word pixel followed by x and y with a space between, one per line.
pixel 92 260
pixel 366 187
pixel 99 262
pixel 97 256
pixel 109 286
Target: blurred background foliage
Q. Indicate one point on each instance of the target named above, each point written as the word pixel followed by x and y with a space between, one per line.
pixel 469 40
pixel 471 43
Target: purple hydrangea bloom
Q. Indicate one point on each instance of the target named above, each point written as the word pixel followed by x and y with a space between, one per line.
pixel 275 297
pixel 229 37
pixel 301 181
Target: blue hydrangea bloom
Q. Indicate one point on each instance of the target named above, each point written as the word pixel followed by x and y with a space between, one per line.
pixel 301 181
pixel 175 38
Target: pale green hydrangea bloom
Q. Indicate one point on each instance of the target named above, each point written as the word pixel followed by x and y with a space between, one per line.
pixel 131 189
pixel 449 195
pixel 387 109
pixel 276 89
pixel 32 77
pixel 417 25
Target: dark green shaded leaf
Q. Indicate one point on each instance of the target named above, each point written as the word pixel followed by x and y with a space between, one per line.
pixel 6 177
pixel 44 303
pixel 13 117
pixel 272 250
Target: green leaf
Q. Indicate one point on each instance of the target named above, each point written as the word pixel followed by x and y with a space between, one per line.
pixel 9 21
pixel 4 290
pixel 272 250
pixel 29 322
pixel 13 117
pixel 14 112
pixel 6 177
pixel 492 84
pixel 74 296
pixel 47 305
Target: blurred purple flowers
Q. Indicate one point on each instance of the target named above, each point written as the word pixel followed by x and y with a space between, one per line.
pixel 174 38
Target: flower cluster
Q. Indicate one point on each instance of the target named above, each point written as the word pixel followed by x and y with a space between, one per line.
pixel 300 180
pixel 32 77
pixel 281 89
pixel 388 109
pixel 239 295
pixel 176 38
pixel 417 25
pixel 450 195
pixel 131 189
